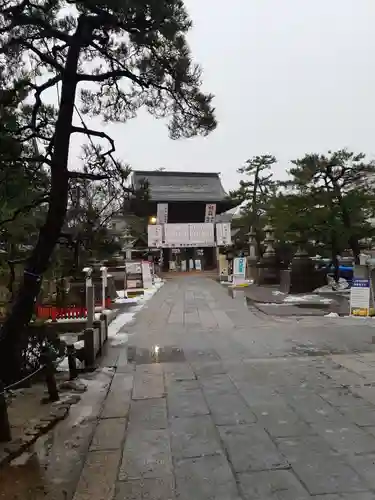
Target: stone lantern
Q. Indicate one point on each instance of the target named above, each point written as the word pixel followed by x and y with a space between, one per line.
pixel 269 272
pixel 269 241
pixel 252 245
pixel 303 278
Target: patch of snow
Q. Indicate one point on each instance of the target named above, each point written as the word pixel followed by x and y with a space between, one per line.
pixel 69 338
pixel 331 315
pixel 121 320
pixel 80 344
pixel 274 304
pixel 277 292
pixel 293 299
pixel 128 316
pixel 120 339
pixel 125 301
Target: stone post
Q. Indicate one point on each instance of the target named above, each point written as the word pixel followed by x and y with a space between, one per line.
pixel 252 260
pixel 104 272
pixel 90 300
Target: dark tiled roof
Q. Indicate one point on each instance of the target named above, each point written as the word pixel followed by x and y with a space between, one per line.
pixel 181 186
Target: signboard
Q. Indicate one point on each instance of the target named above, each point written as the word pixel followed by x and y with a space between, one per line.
pixel 223 265
pixel 162 213
pixel 133 274
pixel 202 234
pixel 223 234
pixel 188 235
pixel 239 270
pixel 360 297
pixel 210 213
pixel 191 264
pixel 176 235
pixel 183 265
pixel 198 265
pixel 155 235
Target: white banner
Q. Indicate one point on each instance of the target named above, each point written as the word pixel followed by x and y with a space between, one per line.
pixel 162 213
pixel 210 213
pixel 155 235
pixel 202 234
pixel 176 235
pixel 181 235
pixel 223 234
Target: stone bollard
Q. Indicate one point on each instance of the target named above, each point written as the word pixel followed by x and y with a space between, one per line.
pixel 285 281
pixel 89 354
pixel 104 319
pixel 72 362
pixel 49 370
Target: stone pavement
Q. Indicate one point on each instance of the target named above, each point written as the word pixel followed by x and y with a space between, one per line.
pixel 231 411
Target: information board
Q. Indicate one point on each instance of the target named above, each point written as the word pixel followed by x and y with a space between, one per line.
pixel 210 214
pixel 176 235
pixel 239 270
pixel 360 297
pixel 223 234
pixel 155 235
pixel 162 213
pixel 201 234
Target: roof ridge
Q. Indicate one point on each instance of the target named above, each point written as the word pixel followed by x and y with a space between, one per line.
pixel 167 173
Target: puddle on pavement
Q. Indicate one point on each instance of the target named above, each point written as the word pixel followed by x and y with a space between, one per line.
pixel 309 350
pixel 158 354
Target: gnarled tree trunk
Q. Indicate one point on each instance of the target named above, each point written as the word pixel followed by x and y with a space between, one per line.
pixel 14 328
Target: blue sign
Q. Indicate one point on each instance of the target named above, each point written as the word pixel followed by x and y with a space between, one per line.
pixel 360 283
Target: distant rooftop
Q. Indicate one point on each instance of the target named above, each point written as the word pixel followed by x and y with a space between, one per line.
pixel 181 186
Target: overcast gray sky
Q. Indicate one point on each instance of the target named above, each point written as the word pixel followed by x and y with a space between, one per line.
pixel 289 76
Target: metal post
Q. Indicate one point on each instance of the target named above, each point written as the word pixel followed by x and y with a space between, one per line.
pixel 5 434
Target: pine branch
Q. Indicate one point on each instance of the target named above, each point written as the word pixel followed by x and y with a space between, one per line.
pixel 96 133
pixel 25 209
pixel 87 176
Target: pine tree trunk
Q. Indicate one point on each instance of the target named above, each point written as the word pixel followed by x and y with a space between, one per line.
pixel 14 329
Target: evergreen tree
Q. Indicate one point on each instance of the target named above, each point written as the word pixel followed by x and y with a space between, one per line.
pixel 112 56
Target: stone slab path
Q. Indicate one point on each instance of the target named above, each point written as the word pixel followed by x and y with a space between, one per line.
pixel 218 405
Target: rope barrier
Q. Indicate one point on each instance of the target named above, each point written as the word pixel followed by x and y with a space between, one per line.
pixel 31 375
pixel 9 387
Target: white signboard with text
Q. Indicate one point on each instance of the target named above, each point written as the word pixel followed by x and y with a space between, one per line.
pixel 223 234
pixel 210 213
pixel 155 235
pixel 239 270
pixel 176 235
pixel 162 213
pixel 202 234
pixel 360 297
